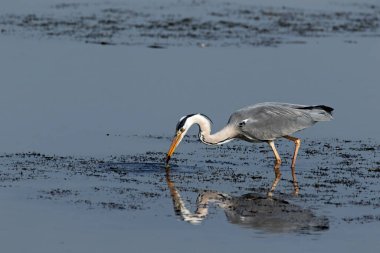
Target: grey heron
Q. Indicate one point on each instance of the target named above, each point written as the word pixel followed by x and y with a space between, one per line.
pixel 263 122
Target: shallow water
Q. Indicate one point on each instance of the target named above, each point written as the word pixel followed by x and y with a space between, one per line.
pixel 58 94
pixel 86 123
pixel 85 203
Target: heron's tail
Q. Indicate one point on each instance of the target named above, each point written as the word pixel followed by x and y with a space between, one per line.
pixel 319 112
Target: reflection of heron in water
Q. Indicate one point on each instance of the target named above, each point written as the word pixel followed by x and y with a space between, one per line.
pixel 250 210
pixel 263 122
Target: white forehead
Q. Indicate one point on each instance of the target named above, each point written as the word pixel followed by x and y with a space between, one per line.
pixel 186 121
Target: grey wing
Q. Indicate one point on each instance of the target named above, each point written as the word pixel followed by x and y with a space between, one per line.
pixel 270 121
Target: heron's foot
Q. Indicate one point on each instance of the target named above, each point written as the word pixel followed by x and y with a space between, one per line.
pixel 270 193
pixel 296 189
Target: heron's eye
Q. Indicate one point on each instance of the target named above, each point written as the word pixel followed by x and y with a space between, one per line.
pixel 182 130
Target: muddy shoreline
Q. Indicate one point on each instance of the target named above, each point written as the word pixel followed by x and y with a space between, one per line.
pixel 194 24
pixel 334 176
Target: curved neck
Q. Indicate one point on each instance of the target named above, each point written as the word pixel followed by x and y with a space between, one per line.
pixel 226 134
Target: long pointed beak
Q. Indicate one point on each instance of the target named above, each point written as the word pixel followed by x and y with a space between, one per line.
pixel 175 142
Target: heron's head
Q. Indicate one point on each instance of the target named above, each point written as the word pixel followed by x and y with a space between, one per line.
pixel 181 129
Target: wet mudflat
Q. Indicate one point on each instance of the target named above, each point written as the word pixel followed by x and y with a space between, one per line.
pixel 220 188
pixel 88 107
pixel 333 174
pixel 193 23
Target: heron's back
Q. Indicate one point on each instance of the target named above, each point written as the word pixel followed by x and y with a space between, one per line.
pixel 267 121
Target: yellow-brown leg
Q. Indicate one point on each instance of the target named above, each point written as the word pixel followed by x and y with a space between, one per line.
pixel 297 143
pixel 277 171
pixel 278 158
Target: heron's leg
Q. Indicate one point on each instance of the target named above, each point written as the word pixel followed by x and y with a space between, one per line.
pixel 297 143
pixel 278 158
pixel 277 171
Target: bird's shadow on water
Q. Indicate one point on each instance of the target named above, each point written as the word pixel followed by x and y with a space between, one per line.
pixel 251 210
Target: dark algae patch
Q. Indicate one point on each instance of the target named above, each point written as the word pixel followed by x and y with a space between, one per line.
pixel 337 178
pixel 362 219
pixel 203 24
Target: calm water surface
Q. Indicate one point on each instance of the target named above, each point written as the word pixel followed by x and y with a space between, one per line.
pixel 106 114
